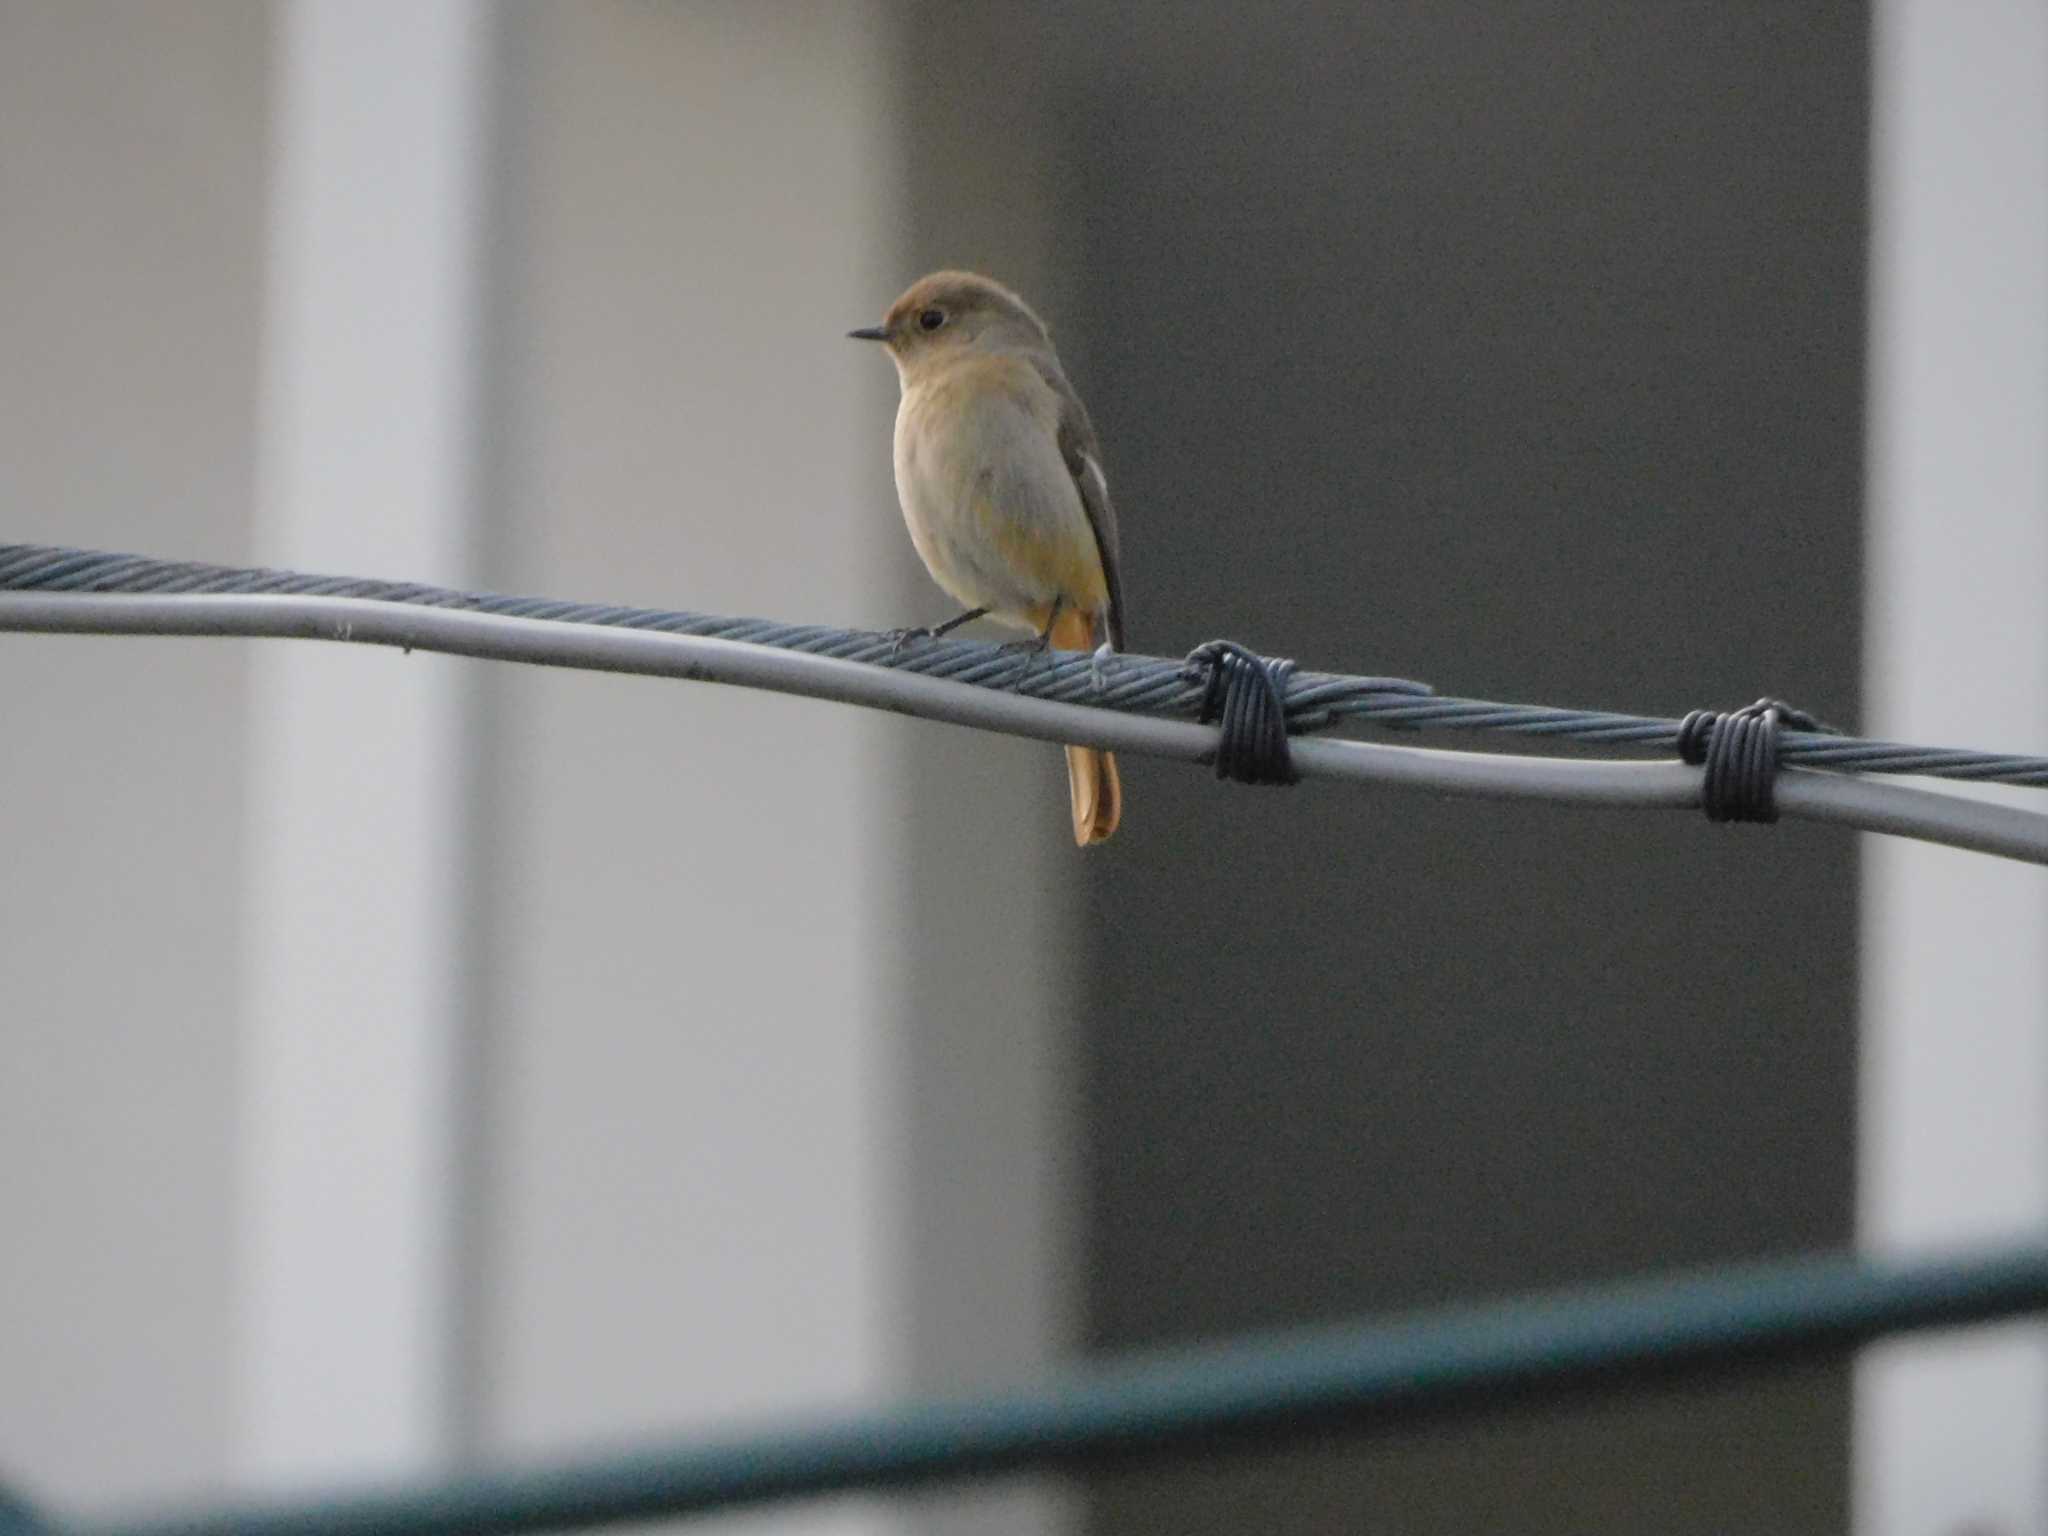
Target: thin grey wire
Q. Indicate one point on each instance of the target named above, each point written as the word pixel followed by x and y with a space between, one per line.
pixel 662 646
pixel 1144 684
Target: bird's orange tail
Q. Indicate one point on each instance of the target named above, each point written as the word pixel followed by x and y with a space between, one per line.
pixel 1092 783
pixel 1097 793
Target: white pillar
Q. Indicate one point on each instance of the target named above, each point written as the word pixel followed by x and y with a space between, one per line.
pixel 1949 1431
pixel 351 977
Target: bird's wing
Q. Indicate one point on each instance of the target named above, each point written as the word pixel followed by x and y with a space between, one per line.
pixel 1078 446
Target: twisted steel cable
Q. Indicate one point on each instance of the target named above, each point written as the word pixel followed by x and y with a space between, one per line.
pixel 1133 683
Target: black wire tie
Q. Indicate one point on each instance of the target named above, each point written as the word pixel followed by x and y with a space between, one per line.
pixel 1247 694
pixel 1740 751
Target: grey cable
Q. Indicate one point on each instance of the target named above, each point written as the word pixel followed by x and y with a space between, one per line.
pixel 988 687
pixel 1893 808
pixel 1147 684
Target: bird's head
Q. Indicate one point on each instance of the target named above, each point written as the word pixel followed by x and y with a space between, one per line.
pixel 950 312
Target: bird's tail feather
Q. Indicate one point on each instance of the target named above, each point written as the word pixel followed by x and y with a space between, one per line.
pixel 1097 794
pixel 1092 783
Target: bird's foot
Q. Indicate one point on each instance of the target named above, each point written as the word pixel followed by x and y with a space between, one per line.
pixel 1028 652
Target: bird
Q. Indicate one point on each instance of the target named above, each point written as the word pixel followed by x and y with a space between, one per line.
pixel 1000 477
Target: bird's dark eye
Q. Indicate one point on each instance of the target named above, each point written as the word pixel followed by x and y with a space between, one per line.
pixel 931 319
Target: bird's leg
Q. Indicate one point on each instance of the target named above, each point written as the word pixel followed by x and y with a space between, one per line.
pixel 903 637
pixel 1038 644
pixel 1043 639
pixel 956 621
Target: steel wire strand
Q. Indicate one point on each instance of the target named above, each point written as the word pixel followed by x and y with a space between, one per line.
pixel 1058 696
pixel 1146 684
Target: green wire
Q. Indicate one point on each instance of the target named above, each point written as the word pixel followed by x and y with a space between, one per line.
pixel 1459 1360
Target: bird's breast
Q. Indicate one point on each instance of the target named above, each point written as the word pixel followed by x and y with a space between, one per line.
pixel 990 503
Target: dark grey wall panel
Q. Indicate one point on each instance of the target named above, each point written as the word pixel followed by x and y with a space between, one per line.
pixel 1518 349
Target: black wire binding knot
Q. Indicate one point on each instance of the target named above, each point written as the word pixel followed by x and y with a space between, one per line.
pixel 1740 751
pixel 1247 692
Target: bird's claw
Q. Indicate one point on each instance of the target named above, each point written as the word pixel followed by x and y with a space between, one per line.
pixel 1028 652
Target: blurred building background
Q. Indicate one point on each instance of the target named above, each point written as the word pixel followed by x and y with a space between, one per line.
pixel 412 1062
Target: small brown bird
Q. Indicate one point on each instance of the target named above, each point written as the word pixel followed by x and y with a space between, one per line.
pixel 1000 476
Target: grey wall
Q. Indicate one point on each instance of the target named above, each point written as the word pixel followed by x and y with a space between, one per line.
pixel 690 1141
pixel 696 1132
pixel 1516 349
pixel 1547 329
pixel 131 183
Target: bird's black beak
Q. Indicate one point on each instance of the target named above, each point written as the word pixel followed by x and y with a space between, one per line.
pixel 869 333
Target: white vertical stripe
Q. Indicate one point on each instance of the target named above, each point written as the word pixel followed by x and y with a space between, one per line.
pixel 701 1210
pixel 352 957
pixel 1955 965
